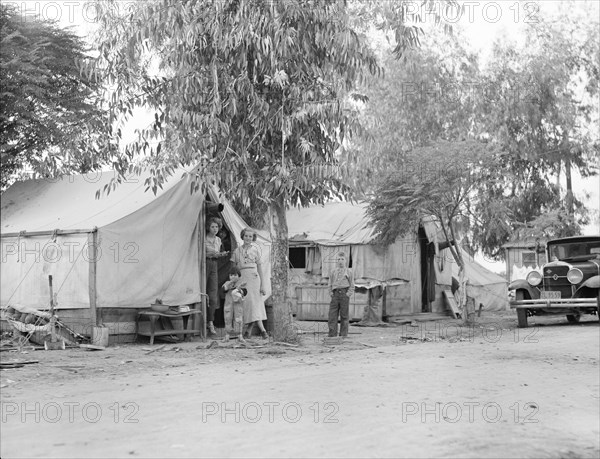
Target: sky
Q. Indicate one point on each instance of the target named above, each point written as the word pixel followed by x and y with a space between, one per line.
pixel 482 23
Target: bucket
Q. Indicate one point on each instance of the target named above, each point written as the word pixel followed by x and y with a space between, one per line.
pixel 100 336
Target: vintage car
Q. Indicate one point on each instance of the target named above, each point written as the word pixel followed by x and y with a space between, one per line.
pixel 569 284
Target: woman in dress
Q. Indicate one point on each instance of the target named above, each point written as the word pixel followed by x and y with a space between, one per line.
pixel 247 259
pixel 212 243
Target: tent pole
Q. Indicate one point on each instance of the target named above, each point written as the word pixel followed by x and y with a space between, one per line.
pixel 92 244
pixel 201 325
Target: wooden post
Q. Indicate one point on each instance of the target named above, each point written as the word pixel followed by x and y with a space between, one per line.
pixel 54 343
pixel 200 325
pixel 92 241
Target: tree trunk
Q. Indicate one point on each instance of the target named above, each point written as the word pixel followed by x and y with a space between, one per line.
pixel 282 326
pixel 566 152
pixel 463 304
pixel 569 197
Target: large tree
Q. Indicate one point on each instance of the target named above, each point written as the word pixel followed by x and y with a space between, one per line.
pixel 423 159
pixel 258 93
pixel 437 180
pixel 538 102
pixel 48 116
pixel 426 99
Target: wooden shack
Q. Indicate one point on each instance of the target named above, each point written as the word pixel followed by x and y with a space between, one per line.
pixel 524 253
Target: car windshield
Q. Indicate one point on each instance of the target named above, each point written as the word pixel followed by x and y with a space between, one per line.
pixel 574 250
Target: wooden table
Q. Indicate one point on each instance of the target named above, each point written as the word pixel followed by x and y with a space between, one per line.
pixel 153 316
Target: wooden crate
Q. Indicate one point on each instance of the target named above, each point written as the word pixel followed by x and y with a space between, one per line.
pixel 398 300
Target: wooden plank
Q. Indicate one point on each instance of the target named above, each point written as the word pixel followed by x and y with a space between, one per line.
pixel 121 314
pixel 166 332
pixel 421 316
pixel 451 302
pixel 120 328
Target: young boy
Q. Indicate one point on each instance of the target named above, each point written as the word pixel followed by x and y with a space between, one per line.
pixel 341 288
pixel 233 310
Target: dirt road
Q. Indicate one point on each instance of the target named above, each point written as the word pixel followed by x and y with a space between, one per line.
pixel 432 390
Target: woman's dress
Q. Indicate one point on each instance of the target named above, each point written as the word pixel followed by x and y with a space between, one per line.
pixel 247 259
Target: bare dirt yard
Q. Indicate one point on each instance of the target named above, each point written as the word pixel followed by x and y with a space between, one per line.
pixel 421 389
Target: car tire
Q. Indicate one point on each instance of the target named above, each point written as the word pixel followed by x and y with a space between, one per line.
pixel 573 318
pixel 521 313
pixel 522 318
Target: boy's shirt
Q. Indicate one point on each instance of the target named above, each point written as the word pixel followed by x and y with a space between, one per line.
pixel 342 278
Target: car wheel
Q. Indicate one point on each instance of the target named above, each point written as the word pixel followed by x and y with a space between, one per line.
pixel 573 318
pixel 522 318
pixel 521 313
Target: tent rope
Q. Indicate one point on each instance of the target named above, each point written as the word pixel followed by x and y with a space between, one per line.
pixel 19 284
pixel 21 234
pixel 52 239
pixel 70 270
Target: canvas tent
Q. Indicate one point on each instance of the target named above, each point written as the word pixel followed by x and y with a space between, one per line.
pixel 414 270
pixel 484 286
pixel 107 255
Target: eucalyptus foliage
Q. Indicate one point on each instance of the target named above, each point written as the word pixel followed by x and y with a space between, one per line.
pixel 256 92
pixel 539 103
pixel 49 121
pixel 536 103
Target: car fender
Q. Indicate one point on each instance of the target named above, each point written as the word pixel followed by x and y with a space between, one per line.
pixel 522 284
pixel 592 282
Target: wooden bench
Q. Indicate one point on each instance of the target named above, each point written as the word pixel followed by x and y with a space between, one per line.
pixel 153 316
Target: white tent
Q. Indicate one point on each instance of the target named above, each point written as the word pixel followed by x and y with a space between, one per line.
pixel 485 287
pixel 120 250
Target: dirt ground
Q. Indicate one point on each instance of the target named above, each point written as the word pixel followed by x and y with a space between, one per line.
pixel 420 389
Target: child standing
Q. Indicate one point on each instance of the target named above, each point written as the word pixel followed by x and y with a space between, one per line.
pixel 341 288
pixel 233 310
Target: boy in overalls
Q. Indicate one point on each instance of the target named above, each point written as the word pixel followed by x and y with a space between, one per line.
pixel 341 288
